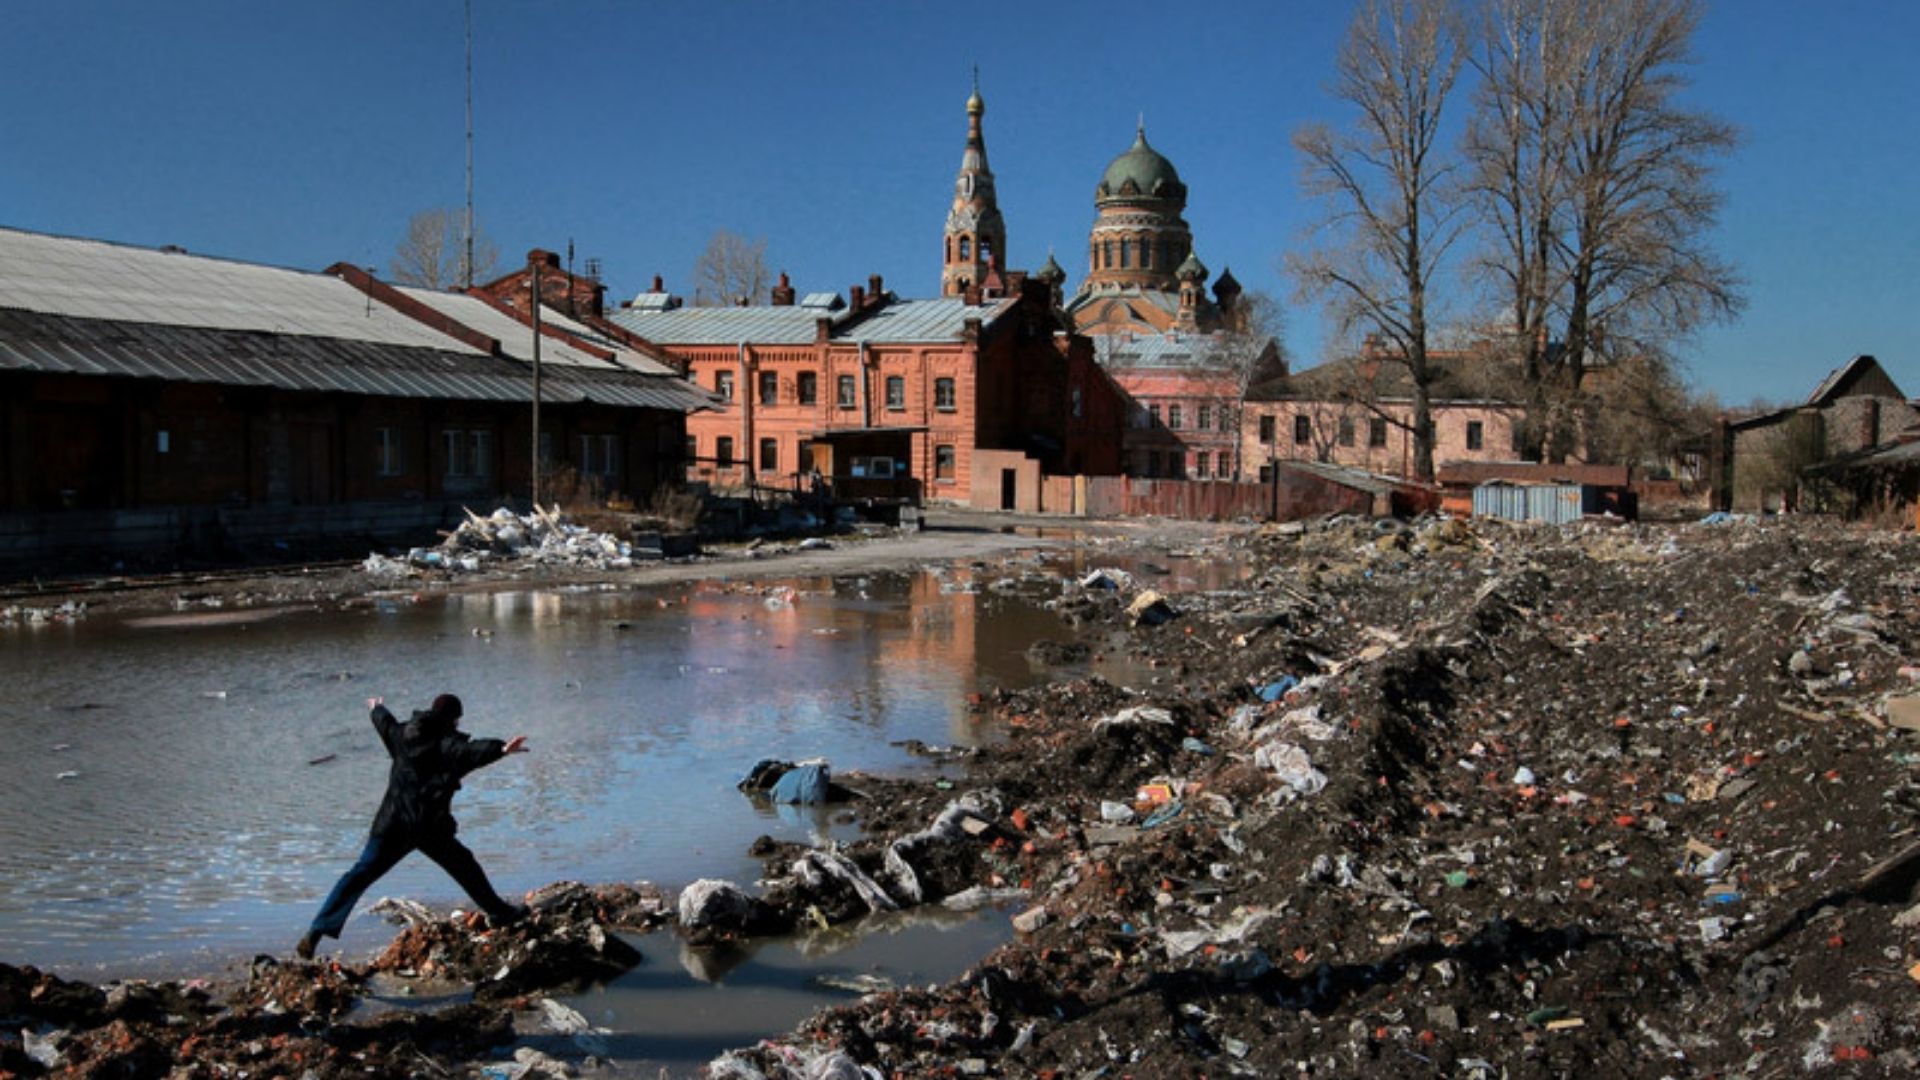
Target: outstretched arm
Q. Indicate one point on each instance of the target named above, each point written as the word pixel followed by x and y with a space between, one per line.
pixel 383 721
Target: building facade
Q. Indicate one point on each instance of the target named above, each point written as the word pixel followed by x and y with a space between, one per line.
pixel 159 401
pixel 1358 412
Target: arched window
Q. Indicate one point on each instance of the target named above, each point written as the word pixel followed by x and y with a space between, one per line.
pixel 1106 253
pixel 1146 254
pixel 966 249
pixel 949 249
pixel 1126 254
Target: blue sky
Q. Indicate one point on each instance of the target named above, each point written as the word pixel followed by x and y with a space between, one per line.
pixel 301 134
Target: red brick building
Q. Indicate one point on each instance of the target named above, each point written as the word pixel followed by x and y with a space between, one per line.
pixel 884 389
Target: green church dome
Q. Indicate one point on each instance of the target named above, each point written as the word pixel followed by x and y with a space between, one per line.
pixel 1149 174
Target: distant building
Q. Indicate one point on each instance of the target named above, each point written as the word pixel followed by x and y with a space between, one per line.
pixel 160 402
pixel 1358 412
pixel 1764 460
pixel 1178 357
pixel 938 397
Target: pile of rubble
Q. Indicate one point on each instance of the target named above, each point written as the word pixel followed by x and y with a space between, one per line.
pixel 1451 799
pixel 540 538
pixel 1438 799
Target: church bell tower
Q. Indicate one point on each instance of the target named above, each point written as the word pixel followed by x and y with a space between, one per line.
pixel 975 233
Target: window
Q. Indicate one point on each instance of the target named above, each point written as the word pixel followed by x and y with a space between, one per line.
pixel 769 388
pixel 1302 430
pixel 966 249
pixel 1376 432
pixel 896 392
pixel 1225 465
pixel 1166 255
pixel 599 455
pixel 723 451
pixel 723 384
pixel 1153 416
pixel 769 455
pixel 1200 465
pixel 1173 417
pixel 386 451
pixel 943 459
pixel 807 388
pixel 1266 474
pixel 1146 254
pixel 1266 430
pixel 1106 253
pixel 1206 417
pixel 469 453
pixel 1126 254
pixel 843 389
pixel 943 395
pixel 880 468
pixel 693 447
pixel 1476 434
pixel 1346 431
pixel 1226 419
pixel 1177 465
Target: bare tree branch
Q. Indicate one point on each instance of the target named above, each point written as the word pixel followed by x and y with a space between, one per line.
pixel 1386 181
pixel 433 253
pixel 732 270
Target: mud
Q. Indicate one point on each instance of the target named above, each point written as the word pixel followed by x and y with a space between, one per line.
pixel 1442 799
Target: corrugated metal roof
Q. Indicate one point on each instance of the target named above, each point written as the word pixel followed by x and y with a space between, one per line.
pixel 626 357
pixel 1167 351
pixel 91 279
pixel 1358 479
pixel 514 336
pixel 762 325
pixel 61 344
pixel 937 320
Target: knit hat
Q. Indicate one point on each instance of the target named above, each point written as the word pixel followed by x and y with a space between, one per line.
pixel 445 710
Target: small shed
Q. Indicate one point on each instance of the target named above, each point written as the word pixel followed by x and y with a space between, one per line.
pixel 1547 504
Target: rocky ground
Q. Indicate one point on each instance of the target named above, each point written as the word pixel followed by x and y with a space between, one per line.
pixel 1452 799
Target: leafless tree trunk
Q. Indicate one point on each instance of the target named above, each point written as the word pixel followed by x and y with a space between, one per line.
pixel 1249 350
pixel 731 270
pixel 1597 187
pixel 432 254
pixel 1391 220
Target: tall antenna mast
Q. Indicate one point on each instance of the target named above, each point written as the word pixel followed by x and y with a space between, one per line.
pixel 467 265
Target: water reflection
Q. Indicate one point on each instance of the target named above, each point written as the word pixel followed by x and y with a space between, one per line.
pixel 190 788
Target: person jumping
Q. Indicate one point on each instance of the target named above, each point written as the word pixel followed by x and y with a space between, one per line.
pixel 430 756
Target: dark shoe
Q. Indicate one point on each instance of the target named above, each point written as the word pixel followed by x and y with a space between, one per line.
pixel 515 914
pixel 309 942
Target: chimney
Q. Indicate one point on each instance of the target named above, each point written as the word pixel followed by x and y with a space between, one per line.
pixel 970 296
pixel 782 293
pixel 857 298
pixel 659 284
pixel 543 258
pixel 873 286
pixel 822 330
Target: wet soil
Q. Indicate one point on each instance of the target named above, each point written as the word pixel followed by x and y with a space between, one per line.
pixel 1449 799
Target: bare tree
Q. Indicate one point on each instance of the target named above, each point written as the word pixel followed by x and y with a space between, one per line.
pixel 1386 181
pixel 731 270
pixel 1249 350
pixel 433 253
pixel 1598 189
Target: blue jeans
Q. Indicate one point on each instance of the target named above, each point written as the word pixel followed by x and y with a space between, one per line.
pixel 383 852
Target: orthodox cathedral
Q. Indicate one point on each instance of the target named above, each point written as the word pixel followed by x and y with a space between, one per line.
pixel 1144 304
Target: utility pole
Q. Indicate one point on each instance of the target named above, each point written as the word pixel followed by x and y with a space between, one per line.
pixel 534 304
pixel 466 271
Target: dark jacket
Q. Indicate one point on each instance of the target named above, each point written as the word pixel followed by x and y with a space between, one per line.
pixel 429 758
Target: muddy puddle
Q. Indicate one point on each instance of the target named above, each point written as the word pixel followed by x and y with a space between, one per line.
pixel 183 790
